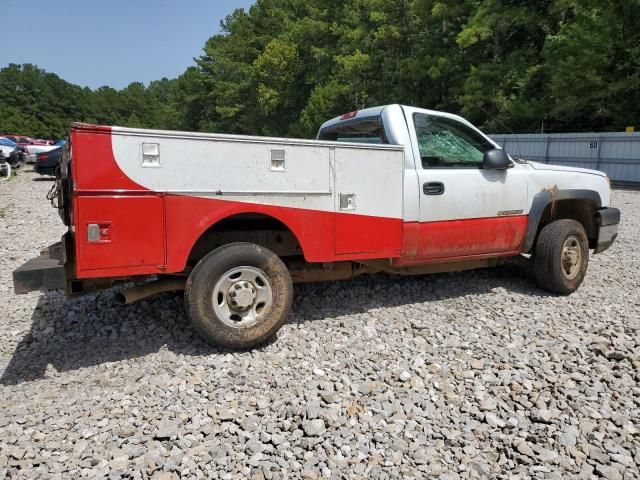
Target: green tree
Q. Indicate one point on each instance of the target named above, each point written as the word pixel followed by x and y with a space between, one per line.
pixel 285 66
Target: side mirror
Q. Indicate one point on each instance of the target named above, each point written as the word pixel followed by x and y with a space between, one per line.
pixel 496 159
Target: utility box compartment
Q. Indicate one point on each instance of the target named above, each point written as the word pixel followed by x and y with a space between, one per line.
pixel 368 199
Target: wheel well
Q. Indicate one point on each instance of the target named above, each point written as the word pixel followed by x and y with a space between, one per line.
pixel 580 210
pixel 255 228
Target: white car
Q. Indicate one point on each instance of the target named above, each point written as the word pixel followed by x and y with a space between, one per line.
pixel 6 150
pixel 7 147
pixel 34 150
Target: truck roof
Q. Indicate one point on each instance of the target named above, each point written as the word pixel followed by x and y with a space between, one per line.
pixel 377 111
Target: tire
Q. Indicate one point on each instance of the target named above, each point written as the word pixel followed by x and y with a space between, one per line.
pixel 561 257
pixel 243 274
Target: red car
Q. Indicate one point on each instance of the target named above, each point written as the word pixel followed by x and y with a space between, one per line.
pixel 24 140
pixel 19 139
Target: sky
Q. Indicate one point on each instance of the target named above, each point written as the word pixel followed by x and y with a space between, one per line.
pixel 110 42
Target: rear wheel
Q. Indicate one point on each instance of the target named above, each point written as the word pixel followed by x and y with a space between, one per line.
pixel 561 256
pixel 239 295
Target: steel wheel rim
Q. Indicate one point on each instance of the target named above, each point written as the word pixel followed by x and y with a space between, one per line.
pixel 571 260
pixel 241 297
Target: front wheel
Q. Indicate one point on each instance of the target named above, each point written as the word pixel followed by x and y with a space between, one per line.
pixel 239 295
pixel 561 256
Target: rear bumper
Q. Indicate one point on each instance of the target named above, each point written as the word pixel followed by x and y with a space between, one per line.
pixel 45 272
pixel 45 169
pixel 608 221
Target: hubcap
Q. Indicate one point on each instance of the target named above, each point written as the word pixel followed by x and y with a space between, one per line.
pixel 571 257
pixel 241 296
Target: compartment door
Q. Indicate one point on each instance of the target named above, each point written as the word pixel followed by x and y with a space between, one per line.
pixel 368 196
pixel 119 235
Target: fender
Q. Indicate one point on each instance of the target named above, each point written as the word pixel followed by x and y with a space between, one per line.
pixel 545 198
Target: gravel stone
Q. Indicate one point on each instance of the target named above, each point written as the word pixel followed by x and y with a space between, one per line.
pixel 313 428
pixel 456 376
pixel 166 431
pixel 608 472
pixel 525 449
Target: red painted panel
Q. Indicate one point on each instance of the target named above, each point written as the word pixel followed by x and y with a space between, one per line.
pixel 366 234
pixel 189 217
pixel 410 239
pixel 94 165
pixel 134 242
pixel 137 240
pixel 479 236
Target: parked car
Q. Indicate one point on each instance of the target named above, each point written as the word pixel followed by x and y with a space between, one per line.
pixel 7 145
pixel 235 220
pixel 18 139
pixel 34 150
pixel 24 140
pixel 11 152
pixel 48 162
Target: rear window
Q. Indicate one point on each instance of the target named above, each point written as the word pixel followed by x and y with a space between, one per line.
pixel 365 130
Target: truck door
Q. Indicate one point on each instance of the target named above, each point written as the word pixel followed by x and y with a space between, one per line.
pixel 464 209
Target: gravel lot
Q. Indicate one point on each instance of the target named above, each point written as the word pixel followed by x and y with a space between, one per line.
pixel 470 375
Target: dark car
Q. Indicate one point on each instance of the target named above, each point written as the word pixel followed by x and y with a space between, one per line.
pixel 47 163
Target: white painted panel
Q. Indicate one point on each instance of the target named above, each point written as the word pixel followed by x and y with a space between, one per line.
pixel 544 177
pixel 209 166
pixel 473 193
pixel 239 169
pixel 374 177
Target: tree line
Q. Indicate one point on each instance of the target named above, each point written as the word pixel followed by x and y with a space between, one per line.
pixel 285 66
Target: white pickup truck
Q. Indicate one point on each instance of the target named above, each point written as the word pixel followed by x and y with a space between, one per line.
pixel 235 220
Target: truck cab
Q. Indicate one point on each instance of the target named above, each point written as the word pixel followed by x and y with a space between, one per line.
pixel 456 204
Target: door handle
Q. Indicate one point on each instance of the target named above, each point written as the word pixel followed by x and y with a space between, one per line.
pixel 433 188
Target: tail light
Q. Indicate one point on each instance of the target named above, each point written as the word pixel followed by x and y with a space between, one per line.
pixel 42 156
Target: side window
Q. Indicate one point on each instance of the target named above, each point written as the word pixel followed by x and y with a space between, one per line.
pixel 447 143
pixel 361 131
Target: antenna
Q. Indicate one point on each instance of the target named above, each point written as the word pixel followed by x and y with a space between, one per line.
pixel 505 127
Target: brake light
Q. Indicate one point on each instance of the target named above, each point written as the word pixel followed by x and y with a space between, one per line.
pixel 349 115
pixel 42 156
